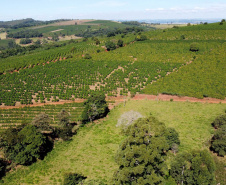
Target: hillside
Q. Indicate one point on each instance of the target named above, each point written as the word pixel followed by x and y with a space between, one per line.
pixel 161 64
pixel 92 151
pixel 125 64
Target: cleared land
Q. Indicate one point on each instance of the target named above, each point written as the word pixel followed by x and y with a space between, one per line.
pixel 3 35
pixel 92 150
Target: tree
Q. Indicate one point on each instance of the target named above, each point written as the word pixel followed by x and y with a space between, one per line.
pixel 194 47
pixel 195 167
pixel 97 42
pixel 141 155
pixel 25 41
pixel 218 143
pixel 110 45
pixel 95 107
pixel 2 168
pixel 42 122
pixel 172 137
pixel 65 130
pixel 219 121
pixel 141 37
pixel 24 146
pixel 63 117
pixel 73 178
pixel 127 119
pixel 120 43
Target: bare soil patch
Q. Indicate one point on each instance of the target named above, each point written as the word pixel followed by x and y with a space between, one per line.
pixel 57 30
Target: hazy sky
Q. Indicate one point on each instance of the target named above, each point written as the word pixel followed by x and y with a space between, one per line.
pixel 111 9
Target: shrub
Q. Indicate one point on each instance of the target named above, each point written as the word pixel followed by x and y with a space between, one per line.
pixel 87 56
pixel 218 143
pixel 95 107
pixel 219 121
pixel 172 137
pixel 141 37
pixel 42 122
pixel 120 43
pixel 110 45
pixel 25 41
pixel 73 178
pixel 194 47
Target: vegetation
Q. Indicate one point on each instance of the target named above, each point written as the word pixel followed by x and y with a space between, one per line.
pixel 25 34
pixel 142 154
pixel 25 41
pixel 160 61
pixel 24 145
pixel 218 143
pixel 95 107
pixel 195 167
pixel 27 115
pixel 92 151
pixel 73 178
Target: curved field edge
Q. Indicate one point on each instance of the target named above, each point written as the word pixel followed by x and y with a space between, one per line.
pixel 204 77
pixel 91 152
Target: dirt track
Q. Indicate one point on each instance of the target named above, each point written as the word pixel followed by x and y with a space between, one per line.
pixel 119 99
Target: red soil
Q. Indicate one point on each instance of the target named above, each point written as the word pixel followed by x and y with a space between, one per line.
pixel 119 99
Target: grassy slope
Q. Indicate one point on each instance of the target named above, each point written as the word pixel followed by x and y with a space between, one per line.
pixel 92 150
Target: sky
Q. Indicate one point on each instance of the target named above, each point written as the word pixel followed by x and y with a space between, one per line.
pixel 112 9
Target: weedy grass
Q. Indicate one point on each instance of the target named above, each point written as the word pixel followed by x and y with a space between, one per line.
pixel 91 152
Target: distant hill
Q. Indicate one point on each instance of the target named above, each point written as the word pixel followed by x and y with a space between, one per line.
pixel 28 22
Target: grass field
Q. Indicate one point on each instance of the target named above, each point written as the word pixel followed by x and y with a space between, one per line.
pixel 91 152
pixel 3 35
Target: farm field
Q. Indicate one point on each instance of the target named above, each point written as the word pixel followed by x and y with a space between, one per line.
pixel 92 151
pixel 161 64
pixel 17 116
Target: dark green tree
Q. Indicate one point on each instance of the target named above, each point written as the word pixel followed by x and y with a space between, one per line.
pixel 219 121
pixel 110 45
pixel 24 146
pixel 95 107
pixel 2 168
pixel 195 167
pixel 120 43
pixel 218 143
pixel 194 47
pixel 73 178
pixel 172 137
pixel 142 154
pixel 64 131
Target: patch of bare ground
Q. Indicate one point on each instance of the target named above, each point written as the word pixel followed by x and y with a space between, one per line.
pixel 119 68
pixel 164 97
pixel 57 30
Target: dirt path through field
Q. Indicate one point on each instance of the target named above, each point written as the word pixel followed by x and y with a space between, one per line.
pixel 119 99
pixel 161 97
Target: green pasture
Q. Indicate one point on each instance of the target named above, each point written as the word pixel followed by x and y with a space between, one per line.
pixel 91 152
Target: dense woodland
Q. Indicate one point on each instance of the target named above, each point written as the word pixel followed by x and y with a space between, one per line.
pixel 109 62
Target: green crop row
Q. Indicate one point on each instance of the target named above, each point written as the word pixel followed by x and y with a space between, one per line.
pixel 11 117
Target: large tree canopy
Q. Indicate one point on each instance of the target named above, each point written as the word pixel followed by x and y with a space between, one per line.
pixel 195 167
pixel 141 155
pixel 24 146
